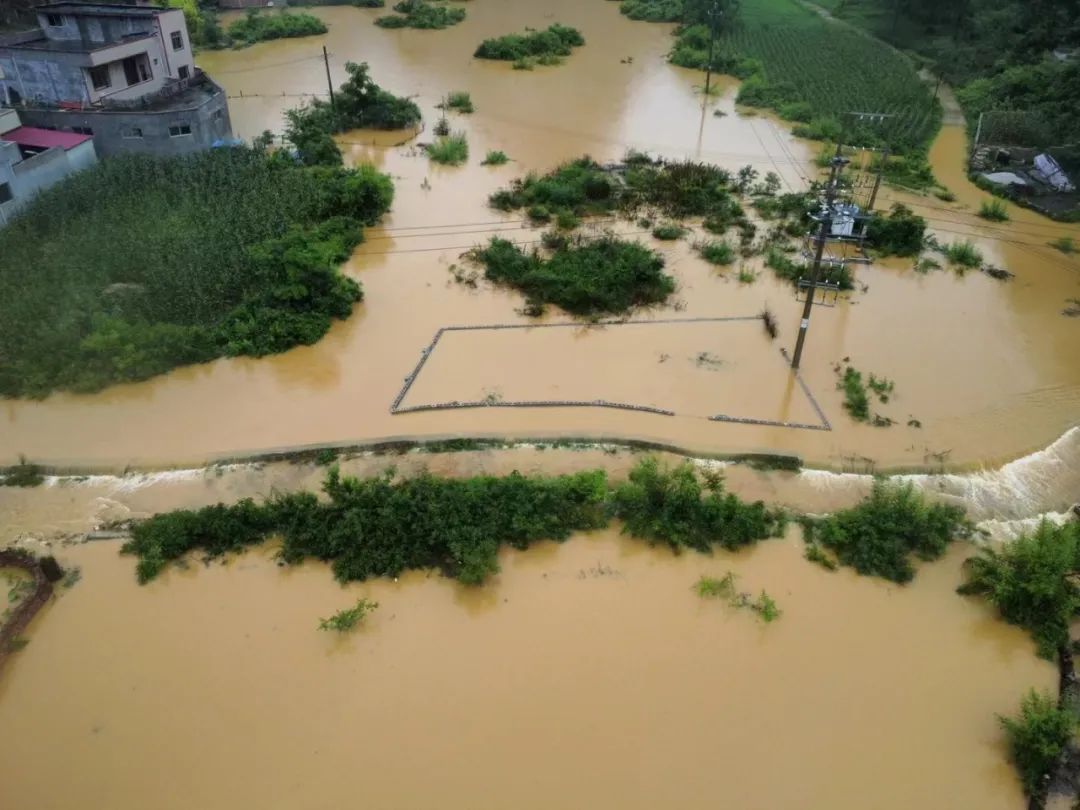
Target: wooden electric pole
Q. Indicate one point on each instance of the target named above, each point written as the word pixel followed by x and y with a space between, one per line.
pixel 329 82
pixel 837 163
pixel 714 14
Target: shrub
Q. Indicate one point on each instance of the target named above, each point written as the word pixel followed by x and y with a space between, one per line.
pixel 714 588
pixel 994 210
pixel 653 10
pixel 495 158
pixel 716 252
pixel 963 254
pixel 459 101
pixel 878 536
pixel 1037 738
pixel 22 475
pixel 606 275
pixel 670 505
pixel 668 231
pixel 345 620
pixel 567 220
pixel 254 27
pixel 856 402
pixel 1065 244
pixel 1031 582
pixel 422 14
pixel 581 186
pixel 899 234
pixel 555 41
pixel 381 527
pixel 452 150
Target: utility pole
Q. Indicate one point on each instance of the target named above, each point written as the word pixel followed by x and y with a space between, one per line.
pixel 877 180
pixel 714 13
pixel 329 83
pixel 837 163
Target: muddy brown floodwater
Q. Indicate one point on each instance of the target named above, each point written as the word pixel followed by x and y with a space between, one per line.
pixel 587 675
pixel 988 368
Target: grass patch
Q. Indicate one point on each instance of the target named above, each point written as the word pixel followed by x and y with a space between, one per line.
pixel 879 535
pixel 668 231
pixel 601 276
pixel 180 260
pixel 1032 582
pixel 963 254
pixel 450 150
pixel 459 101
pixel 345 620
pixel 255 27
pixel 1065 244
pixel 716 588
pixel 422 14
pixel 747 276
pixel 495 158
pixel 994 211
pixel 384 526
pixel 542 47
pixel 1037 738
pixel 716 251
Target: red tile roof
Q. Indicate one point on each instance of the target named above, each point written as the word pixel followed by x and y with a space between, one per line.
pixel 44 138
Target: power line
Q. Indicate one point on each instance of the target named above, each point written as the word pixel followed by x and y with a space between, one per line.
pixel 267 67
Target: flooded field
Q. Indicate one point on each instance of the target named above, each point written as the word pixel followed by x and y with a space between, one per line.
pixel 587 675
pixel 988 368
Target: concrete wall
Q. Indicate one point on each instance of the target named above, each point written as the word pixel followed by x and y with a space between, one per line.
pixel 9 120
pixel 185 56
pixel 95 31
pixel 46 77
pixel 118 132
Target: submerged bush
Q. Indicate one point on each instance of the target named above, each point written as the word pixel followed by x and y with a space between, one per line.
pixel 716 252
pixel 382 527
pixel 899 234
pixel 994 210
pixel 963 254
pixel 345 620
pixel 495 157
pixel 422 14
pixel 1032 583
pixel 653 10
pixel 236 253
pixel 459 101
pixel 601 276
pixel 1037 738
pixel 452 150
pixel 671 506
pixel 255 27
pixel 668 231
pixel 878 536
pixel 555 41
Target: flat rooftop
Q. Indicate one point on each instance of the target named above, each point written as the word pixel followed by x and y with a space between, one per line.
pixel 100 9
pixel 41 43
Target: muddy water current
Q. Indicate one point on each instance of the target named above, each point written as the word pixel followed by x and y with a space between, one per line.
pixel 588 675
pixel 988 368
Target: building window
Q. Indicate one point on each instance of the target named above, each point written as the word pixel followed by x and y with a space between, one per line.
pixel 132 132
pixel 99 77
pixel 184 72
pixel 136 69
pixel 82 130
pixel 177 41
pixel 177 131
pixel 55 20
pixel 5 193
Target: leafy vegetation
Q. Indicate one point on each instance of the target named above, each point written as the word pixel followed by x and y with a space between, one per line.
pixel 22 474
pixel 789 270
pixel 143 264
pixel 724 588
pixel 587 277
pixel 255 27
pixel 425 14
pixel 672 506
pixel 1066 244
pixel 899 234
pixel 668 231
pixel 358 104
pixel 878 536
pixel 1038 737
pixel 715 251
pixel 653 10
pixel 495 157
pixel 994 210
pixel 716 588
pixel 452 150
pixel 345 620
pixel 459 101
pixel 543 47
pixel 856 401
pixel 1032 582
pixel 963 254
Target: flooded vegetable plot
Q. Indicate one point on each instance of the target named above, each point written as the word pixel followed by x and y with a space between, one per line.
pixel 987 368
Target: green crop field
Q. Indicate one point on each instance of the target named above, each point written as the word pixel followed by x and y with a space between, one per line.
pixel 813 71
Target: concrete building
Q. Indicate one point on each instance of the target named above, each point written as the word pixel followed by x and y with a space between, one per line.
pixel 123 74
pixel 33 159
